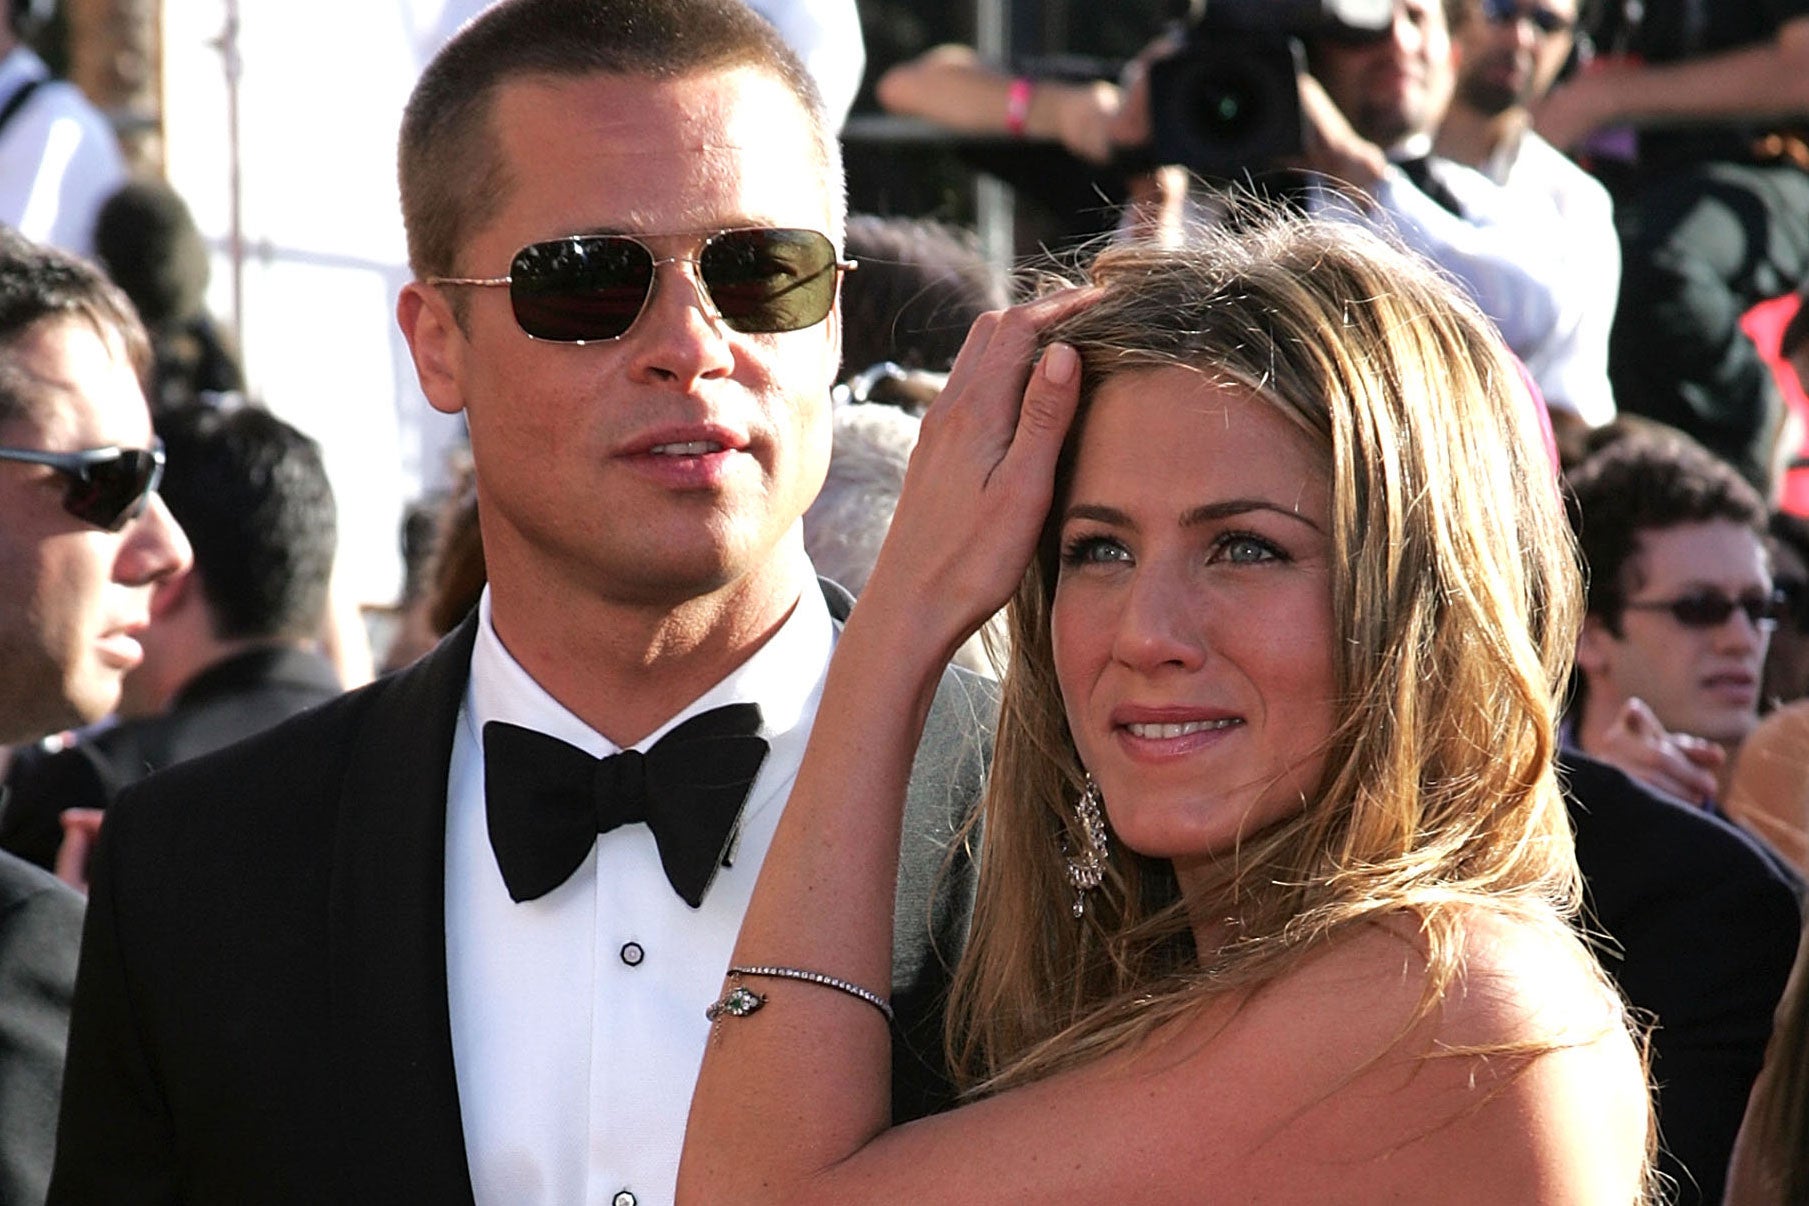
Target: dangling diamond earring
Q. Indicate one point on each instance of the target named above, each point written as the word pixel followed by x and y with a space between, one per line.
pixel 1086 871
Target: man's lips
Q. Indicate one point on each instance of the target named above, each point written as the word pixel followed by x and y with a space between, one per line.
pixel 120 647
pixel 1739 687
pixel 1505 69
pixel 691 439
pixel 686 448
pixel 690 457
pixel 1394 79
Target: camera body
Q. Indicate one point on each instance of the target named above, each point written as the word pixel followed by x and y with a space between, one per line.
pixel 1227 103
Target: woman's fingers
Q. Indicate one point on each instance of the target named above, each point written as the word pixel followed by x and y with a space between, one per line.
pixel 1676 763
pixel 1050 398
pixel 982 476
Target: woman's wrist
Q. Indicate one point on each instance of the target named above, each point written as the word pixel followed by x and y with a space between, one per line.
pixel 1018 99
pixel 902 651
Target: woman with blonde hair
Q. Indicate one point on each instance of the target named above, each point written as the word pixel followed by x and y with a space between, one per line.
pixel 1276 876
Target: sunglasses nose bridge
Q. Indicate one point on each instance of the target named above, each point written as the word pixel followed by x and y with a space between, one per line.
pixel 690 267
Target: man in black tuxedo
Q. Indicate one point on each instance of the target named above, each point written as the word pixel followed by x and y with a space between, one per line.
pixel 351 959
pixel 231 647
pixel 83 542
pixel 1679 607
pixel 1701 923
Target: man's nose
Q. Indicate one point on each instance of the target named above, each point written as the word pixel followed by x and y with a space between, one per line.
pixel 680 336
pixel 154 547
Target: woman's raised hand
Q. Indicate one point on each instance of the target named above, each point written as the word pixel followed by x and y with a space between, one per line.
pixel 982 477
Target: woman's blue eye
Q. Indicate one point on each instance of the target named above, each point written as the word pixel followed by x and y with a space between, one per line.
pixel 1240 548
pixel 1093 550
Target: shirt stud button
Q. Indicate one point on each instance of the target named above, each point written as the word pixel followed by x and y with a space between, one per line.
pixel 632 954
pixel 624 1199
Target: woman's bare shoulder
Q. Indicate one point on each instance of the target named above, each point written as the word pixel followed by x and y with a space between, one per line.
pixel 1517 1082
pixel 1338 1081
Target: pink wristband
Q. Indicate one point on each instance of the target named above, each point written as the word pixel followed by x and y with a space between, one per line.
pixel 1017 107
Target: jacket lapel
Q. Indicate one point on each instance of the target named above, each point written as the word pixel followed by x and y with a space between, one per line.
pixel 403 1136
pixel 402 1133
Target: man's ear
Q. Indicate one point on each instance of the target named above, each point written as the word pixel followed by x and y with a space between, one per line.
pixel 437 344
pixel 1594 646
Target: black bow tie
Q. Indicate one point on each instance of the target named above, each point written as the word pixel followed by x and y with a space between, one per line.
pixel 547 801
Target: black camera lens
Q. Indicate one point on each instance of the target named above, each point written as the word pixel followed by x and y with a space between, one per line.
pixel 1226 107
pixel 1226 110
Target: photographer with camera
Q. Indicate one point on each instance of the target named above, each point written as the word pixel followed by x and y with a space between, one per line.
pixel 1333 103
pixel 1374 83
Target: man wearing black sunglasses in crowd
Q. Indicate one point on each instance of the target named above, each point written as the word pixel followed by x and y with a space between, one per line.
pixel 417 946
pixel 1681 602
pixel 1373 108
pixel 231 648
pixel 1703 919
pixel 83 541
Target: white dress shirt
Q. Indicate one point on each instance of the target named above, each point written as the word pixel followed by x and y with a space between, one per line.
pixel 59 159
pixel 1572 366
pixel 578 1018
pixel 1511 251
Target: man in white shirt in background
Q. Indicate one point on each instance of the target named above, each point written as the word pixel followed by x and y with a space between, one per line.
pixel 1510 53
pixel 59 158
pixel 1372 108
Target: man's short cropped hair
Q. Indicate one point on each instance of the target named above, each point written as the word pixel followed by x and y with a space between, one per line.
pixel 252 493
pixel 39 282
pixel 451 174
pixel 1641 483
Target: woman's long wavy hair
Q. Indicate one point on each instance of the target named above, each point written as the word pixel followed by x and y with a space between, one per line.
pixel 1456 602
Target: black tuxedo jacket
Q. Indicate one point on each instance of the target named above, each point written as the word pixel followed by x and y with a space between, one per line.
pixel 1703 925
pixel 40 932
pixel 260 1013
pixel 227 702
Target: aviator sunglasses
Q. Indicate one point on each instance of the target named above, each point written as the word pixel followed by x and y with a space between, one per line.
pixel 1547 22
pixel 761 280
pixel 1711 609
pixel 108 487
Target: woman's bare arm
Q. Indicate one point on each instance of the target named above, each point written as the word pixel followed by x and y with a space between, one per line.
pixel 1317 1088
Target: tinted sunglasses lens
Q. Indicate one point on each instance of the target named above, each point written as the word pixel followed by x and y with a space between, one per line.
pixel 109 493
pixel 1767 610
pixel 764 281
pixel 1712 611
pixel 572 290
pixel 1544 20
